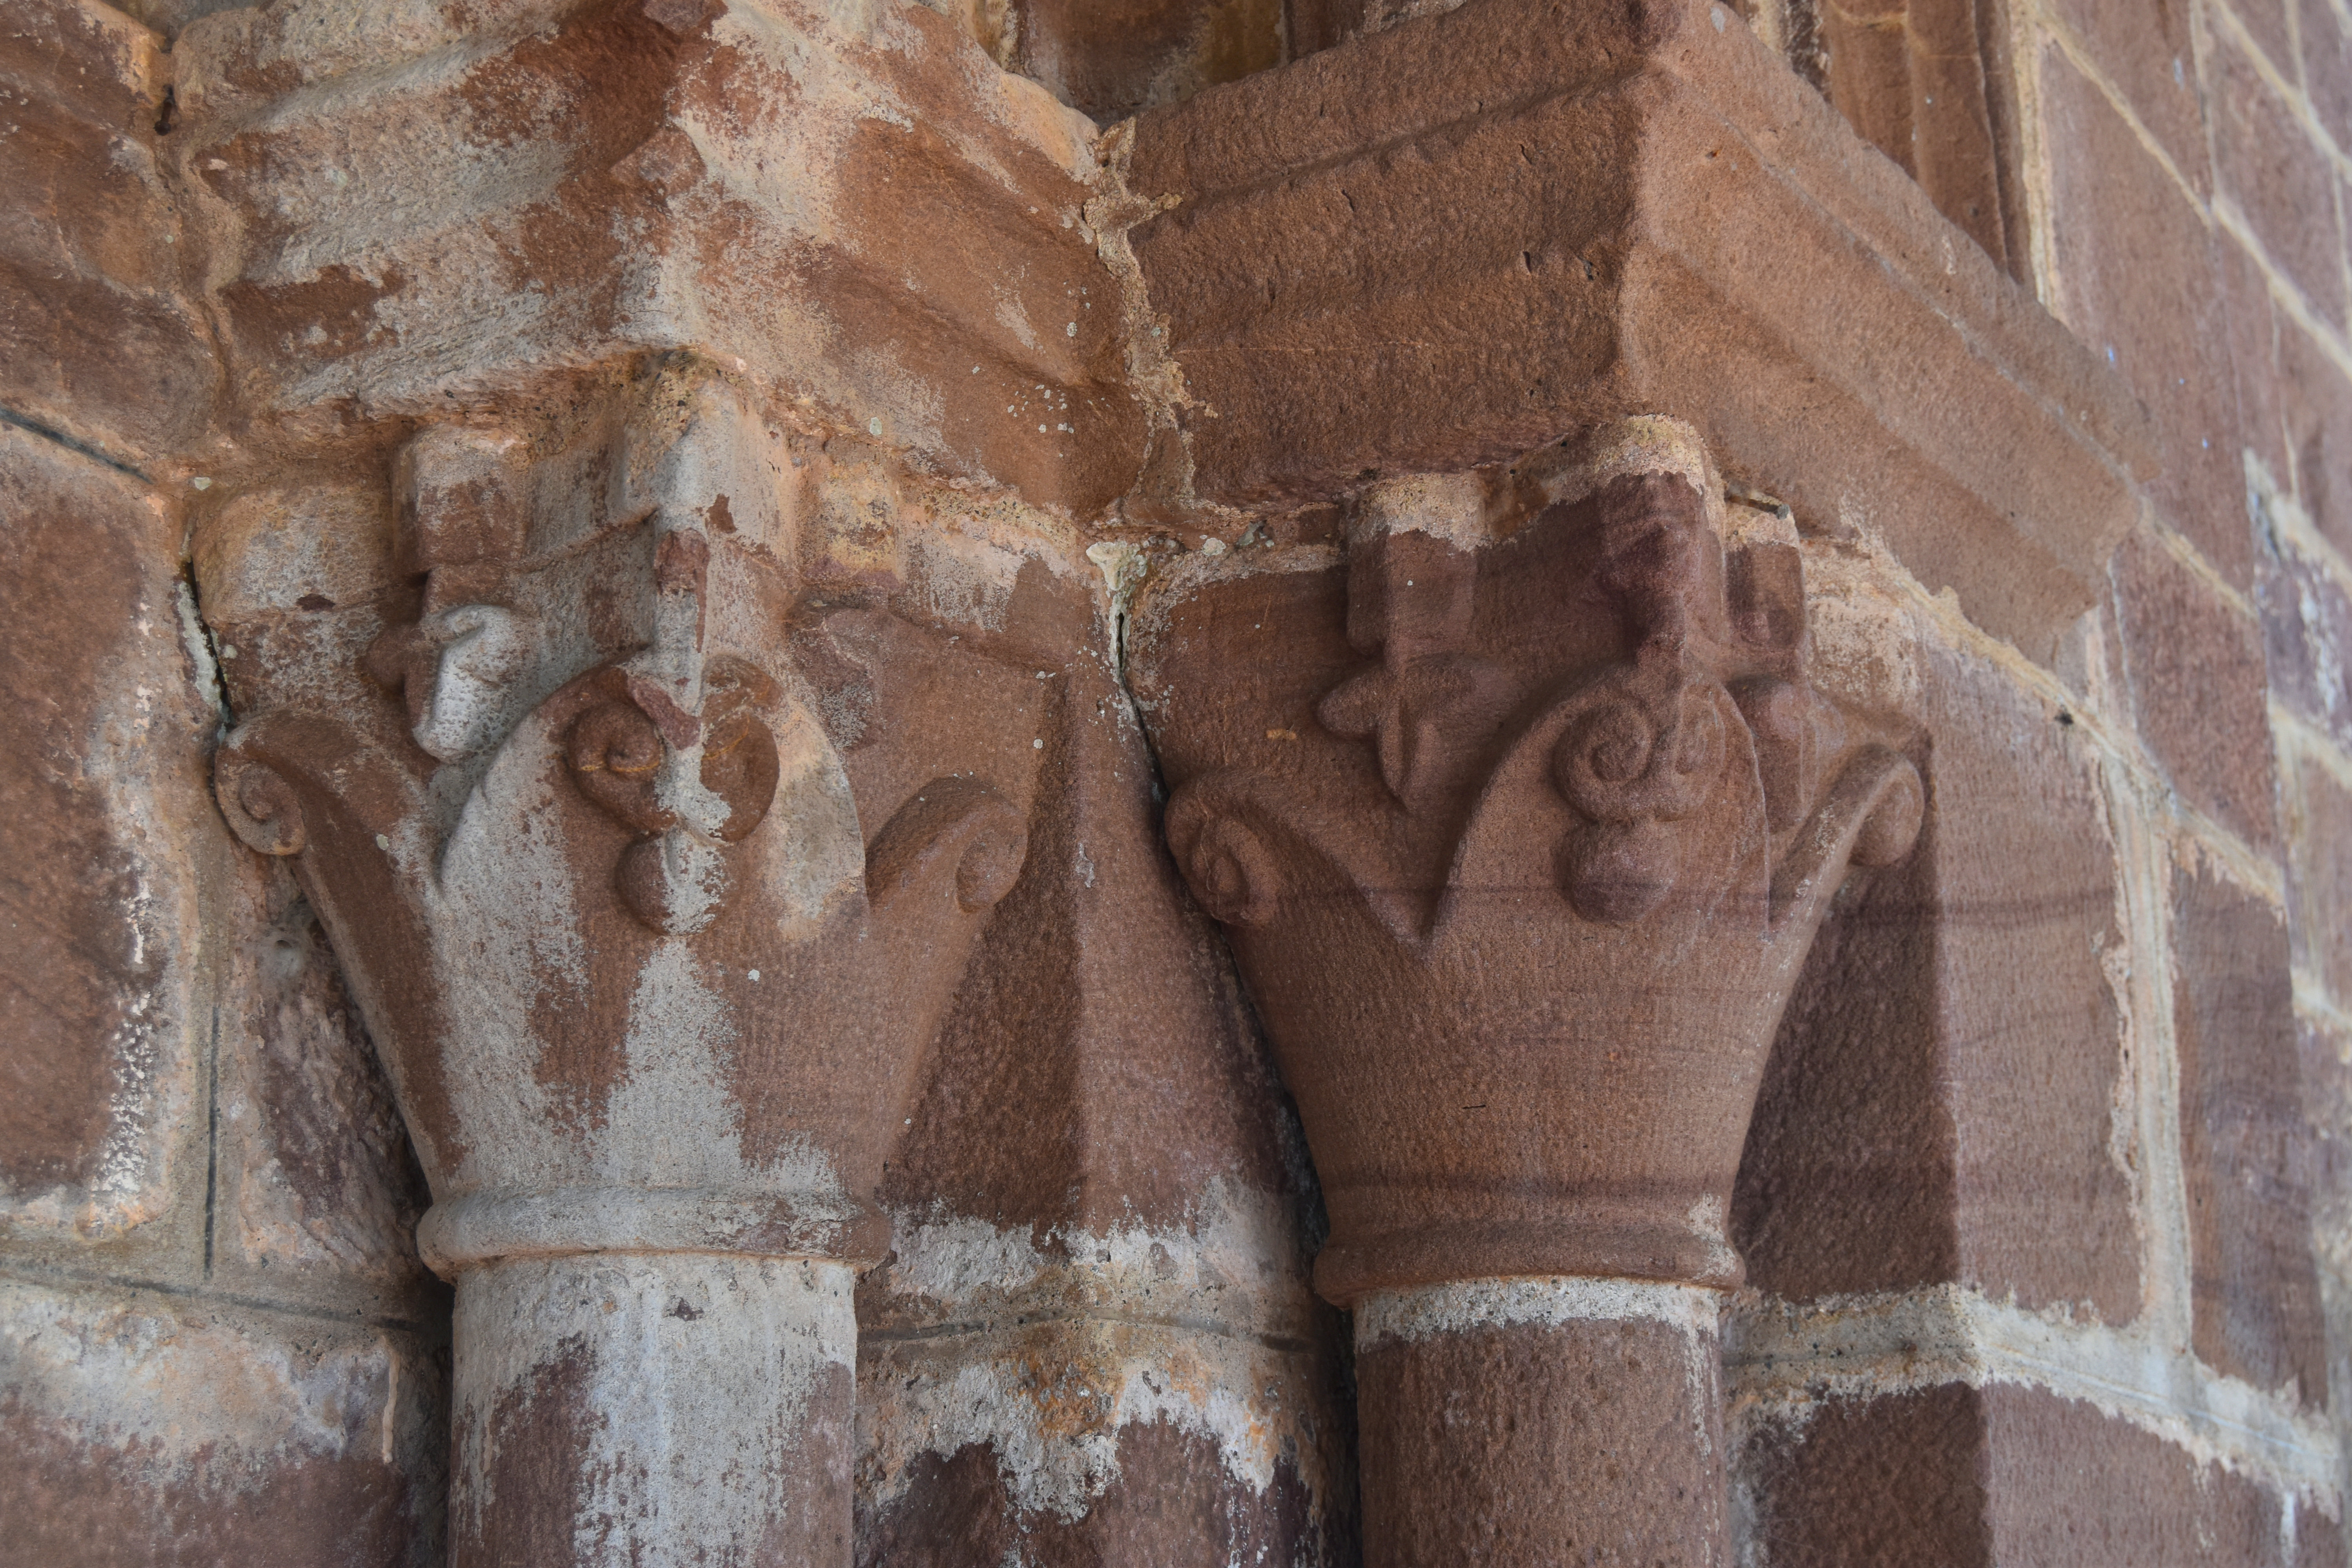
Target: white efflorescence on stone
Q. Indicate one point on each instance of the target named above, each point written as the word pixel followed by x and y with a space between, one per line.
pixel 1470 1306
pixel 707 1388
pixel 1188 1327
pixel 203 1399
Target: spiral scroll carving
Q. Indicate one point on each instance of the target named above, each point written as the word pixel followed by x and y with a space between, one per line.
pixel 261 806
pixel 673 876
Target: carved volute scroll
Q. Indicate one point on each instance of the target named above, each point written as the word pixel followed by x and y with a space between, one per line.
pixel 1521 814
pixel 651 884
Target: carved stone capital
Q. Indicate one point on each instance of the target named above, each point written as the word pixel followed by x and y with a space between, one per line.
pixel 650 972
pixel 1521 816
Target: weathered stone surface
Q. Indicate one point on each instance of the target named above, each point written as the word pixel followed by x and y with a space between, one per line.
pixel 1467 1457
pixel 1167 1505
pixel 1069 1420
pixel 2244 1143
pixel 2319 872
pixel 315 1191
pixel 146 1431
pixel 917 678
pixel 2160 319
pixel 763 186
pixel 2326 1053
pixel 102 1027
pixel 1338 309
pixel 2327 52
pixel 2317 405
pixel 619 1016
pixel 1110 60
pixel 2194 665
pixel 2031 1018
pixel 2306 610
pixel 1895 1481
pixel 2272 171
pixel 102 339
pixel 662 1408
pixel 2068 1485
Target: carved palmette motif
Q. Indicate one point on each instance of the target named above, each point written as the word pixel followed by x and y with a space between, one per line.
pixel 1697 701
pixel 1544 821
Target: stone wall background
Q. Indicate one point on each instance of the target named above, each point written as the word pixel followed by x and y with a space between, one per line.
pixel 2097 1305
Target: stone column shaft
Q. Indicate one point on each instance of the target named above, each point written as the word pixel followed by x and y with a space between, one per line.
pixel 1541 1421
pixel 654 1410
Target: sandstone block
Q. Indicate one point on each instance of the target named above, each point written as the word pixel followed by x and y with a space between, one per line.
pixel 2068 1485
pixel 1339 305
pixel 2245 1140
pixel 2194 666
pixel 1938 1099
pixel 2268 164
pixel 1849 1183
pixel 153 1432
pixel 1894 1482
pixel 2155 311
pixel 2306 611
pixel 2326 1056
pixel 101 340
pixel 103 1026
pixel 2319 873
pixel 2317 406
pixel 2151 54
pixel 1955 1476
pixel 2328 67
pixel 2256 333
pixel 2266 20
pixel 2032 1021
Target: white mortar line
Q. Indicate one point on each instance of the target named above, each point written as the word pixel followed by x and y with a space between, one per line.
pixel 1780 1360
pixel 1549 1302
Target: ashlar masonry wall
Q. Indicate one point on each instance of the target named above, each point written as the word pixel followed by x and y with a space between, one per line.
pixel 2019 434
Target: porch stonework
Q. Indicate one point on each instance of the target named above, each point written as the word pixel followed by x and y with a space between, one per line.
pixel 1219 782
